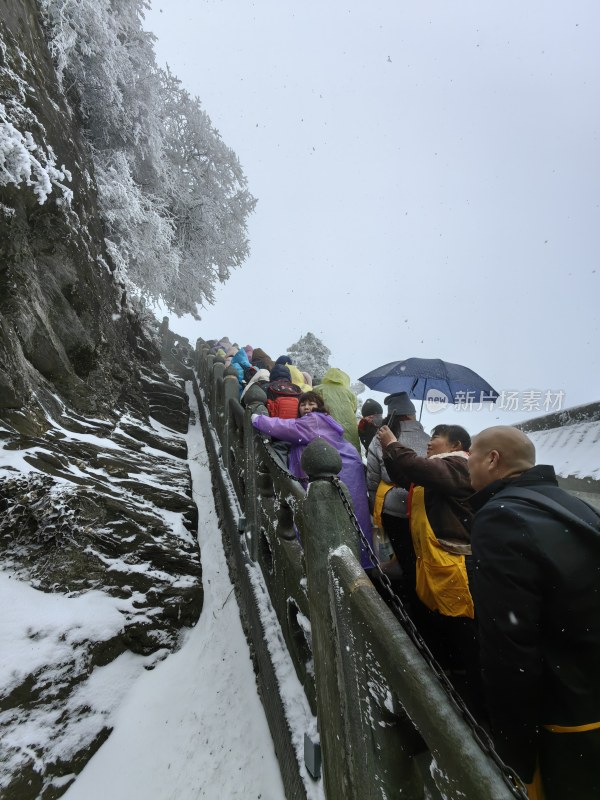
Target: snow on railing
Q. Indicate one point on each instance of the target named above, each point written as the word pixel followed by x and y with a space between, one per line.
pixel 385 717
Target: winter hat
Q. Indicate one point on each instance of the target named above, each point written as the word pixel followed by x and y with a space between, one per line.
pixel 249 350
pixel 400 403
pixel 371 407
pixel 280 372
pixel 307 379
pixel 284 360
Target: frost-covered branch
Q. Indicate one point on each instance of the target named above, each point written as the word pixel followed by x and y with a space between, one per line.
pixel 173 196
pixel 22 160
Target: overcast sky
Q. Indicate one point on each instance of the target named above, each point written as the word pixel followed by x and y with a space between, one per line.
pixel 427 175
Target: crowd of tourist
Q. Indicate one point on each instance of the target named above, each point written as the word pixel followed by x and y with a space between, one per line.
pixel 498 566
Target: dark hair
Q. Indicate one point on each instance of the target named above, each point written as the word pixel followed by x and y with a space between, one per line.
pixel 316 398
pixel 454 433
pixel 396 425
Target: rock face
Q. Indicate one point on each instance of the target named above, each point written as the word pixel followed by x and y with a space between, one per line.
pixel 89 509
pixel 97 521
pixel 66 325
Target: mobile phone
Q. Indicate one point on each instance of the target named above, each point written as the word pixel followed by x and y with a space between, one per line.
pixel 390 421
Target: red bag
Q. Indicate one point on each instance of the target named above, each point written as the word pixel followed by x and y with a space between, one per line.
pixel 283 399
pixel 283 407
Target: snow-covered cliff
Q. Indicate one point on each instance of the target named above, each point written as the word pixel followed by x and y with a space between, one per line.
pixel 99 561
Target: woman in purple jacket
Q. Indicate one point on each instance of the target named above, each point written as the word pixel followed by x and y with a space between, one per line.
pixel 315 422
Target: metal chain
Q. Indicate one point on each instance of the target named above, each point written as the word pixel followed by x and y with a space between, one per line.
pixel 276 463
pixel 481 736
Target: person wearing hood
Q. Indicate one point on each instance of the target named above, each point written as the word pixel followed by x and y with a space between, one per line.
pixel 389 503
pixel 223 343
pixel 240 362
pixel 280 372
pixel 341 402
pixel 282 394
pixel 261 360
pixel 231 351
pixel 314 422
pixel 296 376
pixel 440 521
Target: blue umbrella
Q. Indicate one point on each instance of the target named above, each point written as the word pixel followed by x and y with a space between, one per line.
pixel 425 377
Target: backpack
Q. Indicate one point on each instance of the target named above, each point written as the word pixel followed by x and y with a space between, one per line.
pixel 283 399
pixel 556 509
pixel 282 388
pixel 283 407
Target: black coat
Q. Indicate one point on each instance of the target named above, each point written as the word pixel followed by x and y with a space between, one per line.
pixel 537 601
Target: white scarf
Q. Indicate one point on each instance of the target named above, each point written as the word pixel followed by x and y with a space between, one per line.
pixel 460 453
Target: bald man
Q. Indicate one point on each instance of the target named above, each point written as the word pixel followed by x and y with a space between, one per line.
pixel 537 601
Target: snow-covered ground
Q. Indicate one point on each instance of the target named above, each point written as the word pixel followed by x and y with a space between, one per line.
pixel 193 727
pixel 42 634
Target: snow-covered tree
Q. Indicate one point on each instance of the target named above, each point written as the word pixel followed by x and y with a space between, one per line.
pixel 172 194
pixel 25 161
pixel 209 202
pixel 357 387
pixel 310 355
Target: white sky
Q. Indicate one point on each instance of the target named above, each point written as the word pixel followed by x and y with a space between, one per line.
pixel 427 176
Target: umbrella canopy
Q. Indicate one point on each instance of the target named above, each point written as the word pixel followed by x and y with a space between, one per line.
pixel 422 377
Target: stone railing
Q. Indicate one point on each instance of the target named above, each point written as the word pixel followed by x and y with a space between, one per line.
pixel 388 727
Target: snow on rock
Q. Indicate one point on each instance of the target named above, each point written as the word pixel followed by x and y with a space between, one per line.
pixel 194 727
pixel 99 573
pixel 24 161
pixel 55 701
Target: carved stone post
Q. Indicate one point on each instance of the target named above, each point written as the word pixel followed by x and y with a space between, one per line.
pixel 326 527
pixel 252 526
pixel 231 389
pixel 217 372
pixel 202 352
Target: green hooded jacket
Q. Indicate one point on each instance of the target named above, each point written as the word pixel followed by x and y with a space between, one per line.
pixel 341 402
